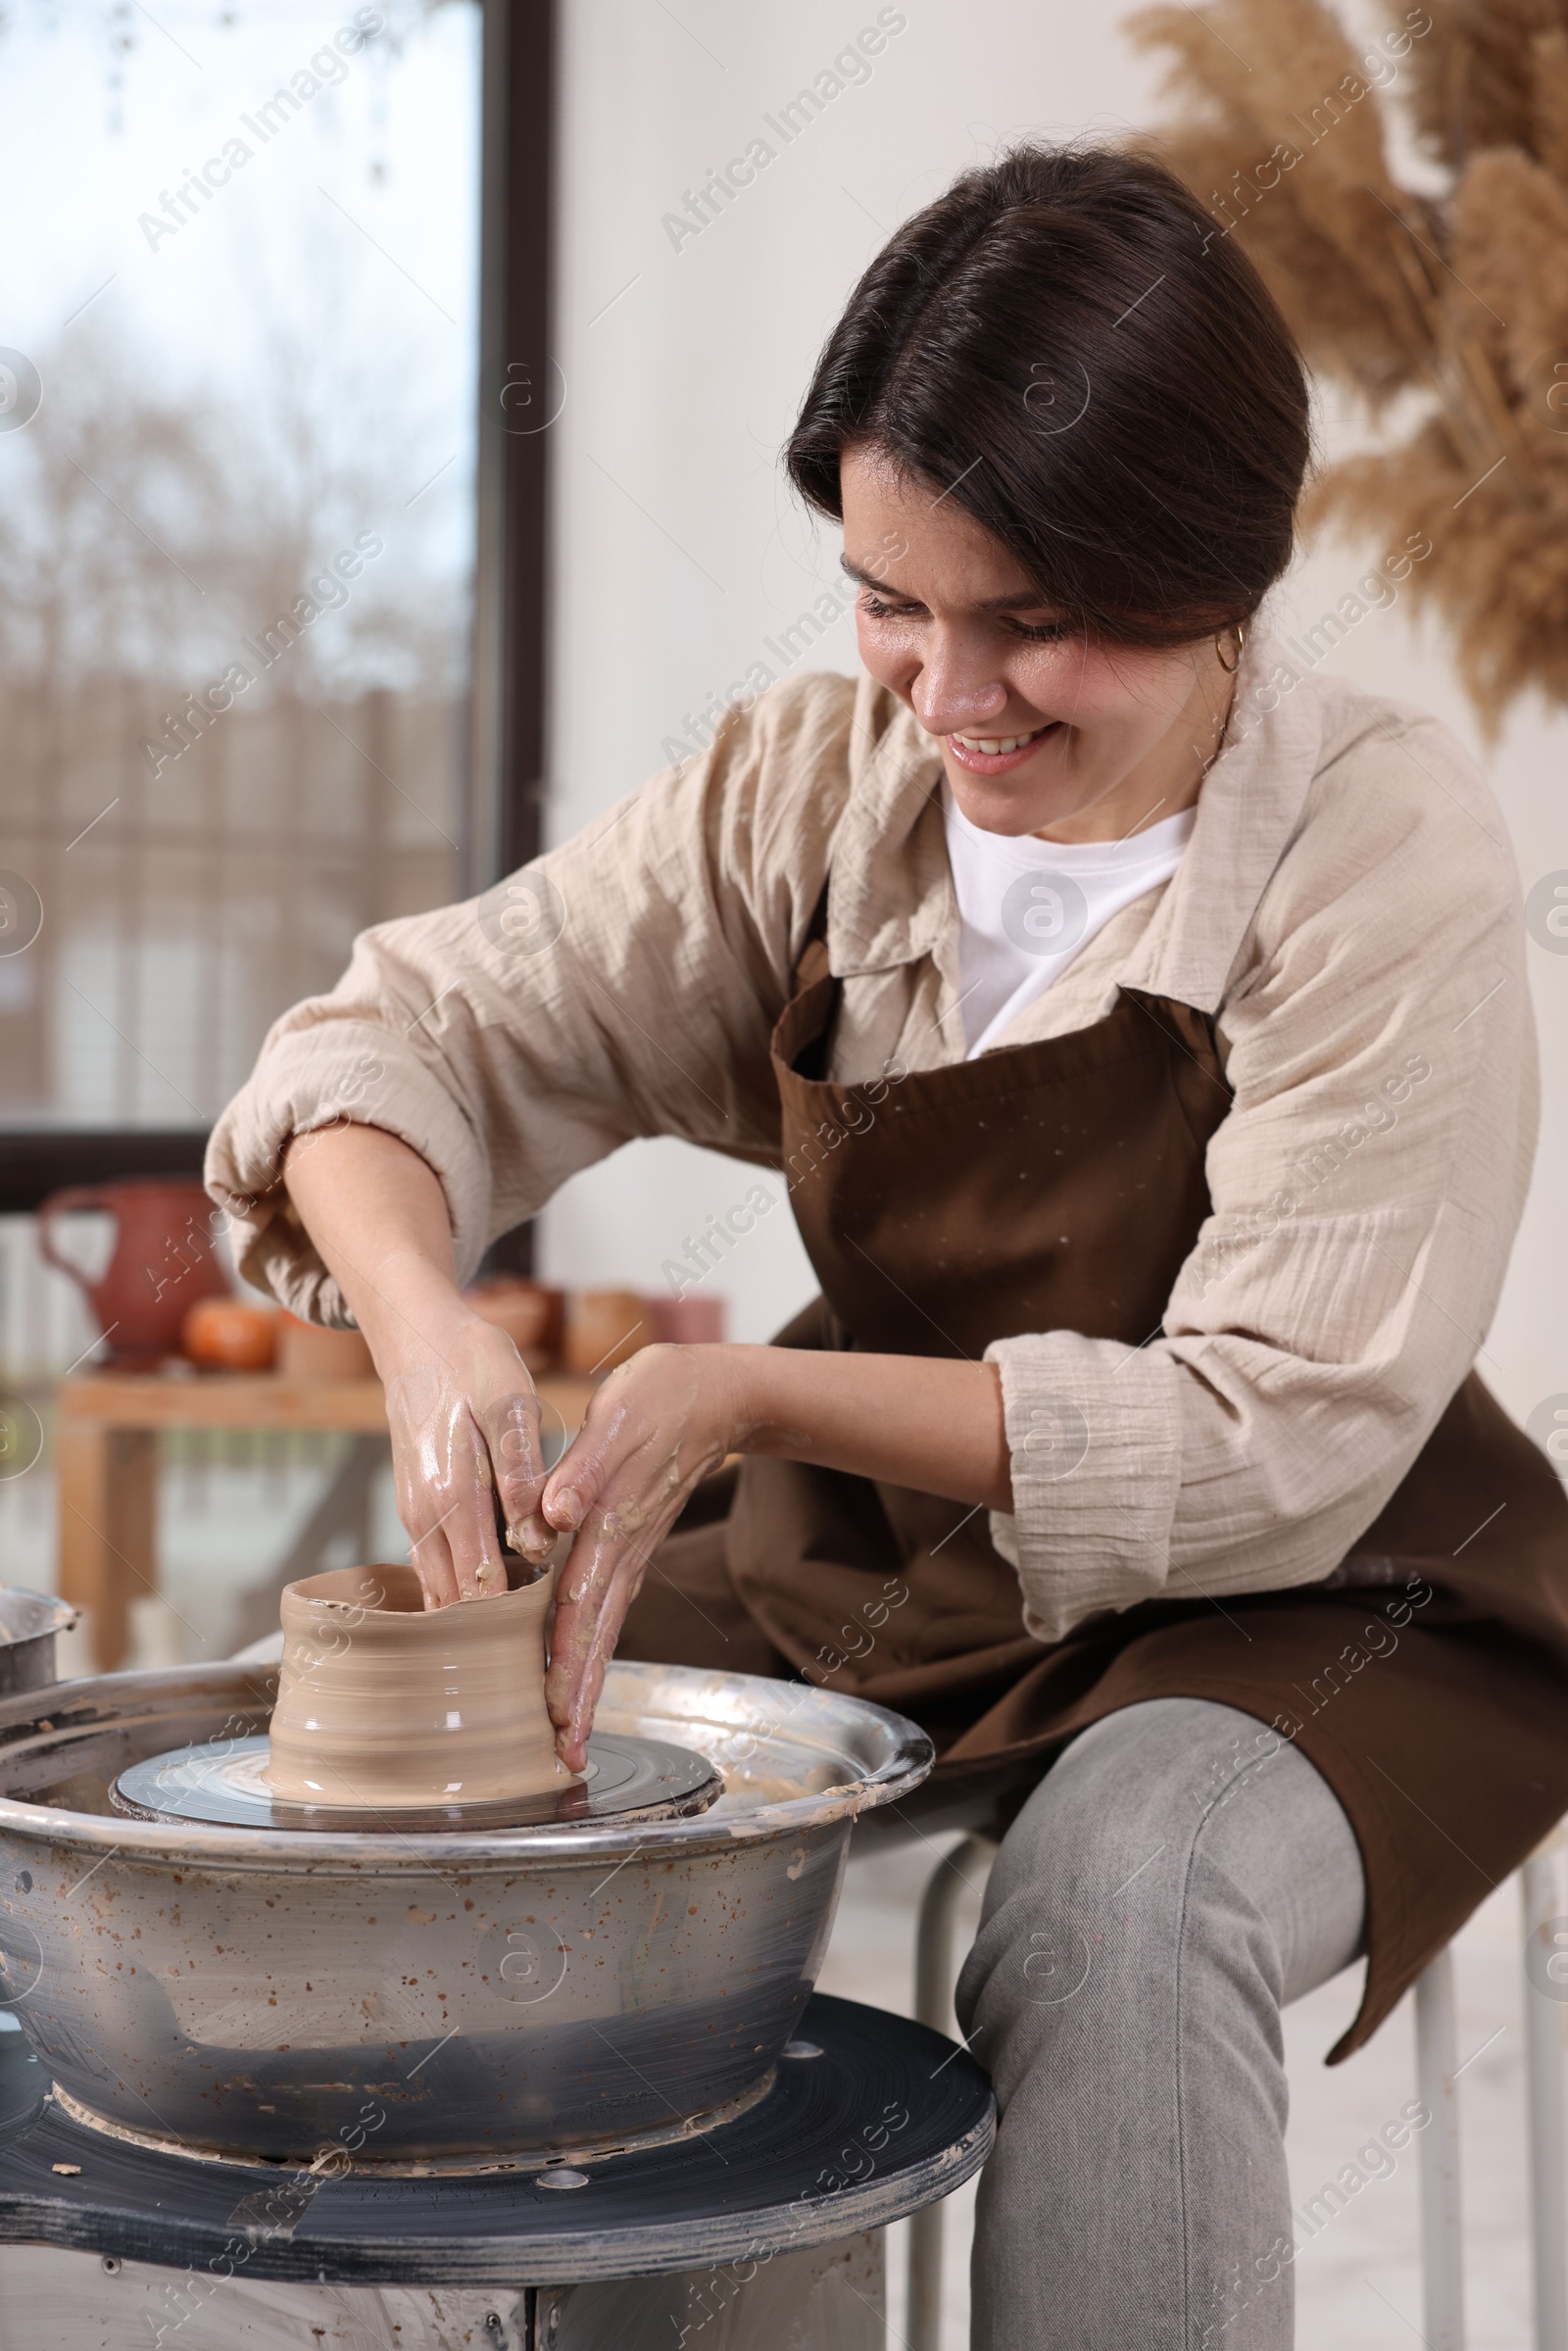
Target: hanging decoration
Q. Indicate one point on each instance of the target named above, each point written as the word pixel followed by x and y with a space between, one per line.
pixel 1435 292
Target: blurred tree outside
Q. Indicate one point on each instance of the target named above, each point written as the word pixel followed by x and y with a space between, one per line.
pixel 205 852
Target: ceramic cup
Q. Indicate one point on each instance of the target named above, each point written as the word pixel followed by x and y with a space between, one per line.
pixel 605 1328
pixel 383 1703
pixel 532 1316
pixel 308 1350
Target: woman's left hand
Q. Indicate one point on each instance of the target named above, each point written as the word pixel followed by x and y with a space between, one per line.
pixel 655 1428
pixel 673 1413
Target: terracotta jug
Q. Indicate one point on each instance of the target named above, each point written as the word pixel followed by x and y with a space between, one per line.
pixel 162 1262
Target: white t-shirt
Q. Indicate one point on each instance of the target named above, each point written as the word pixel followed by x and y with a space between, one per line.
pixel 1027 907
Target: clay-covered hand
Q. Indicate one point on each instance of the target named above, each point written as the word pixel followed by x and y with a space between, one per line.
pixel 656 1427
pixel 465 1425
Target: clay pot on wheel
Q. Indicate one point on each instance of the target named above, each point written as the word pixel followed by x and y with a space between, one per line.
pixel 383 1703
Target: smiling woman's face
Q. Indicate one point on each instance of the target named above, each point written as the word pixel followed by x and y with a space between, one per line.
pixel 1043 729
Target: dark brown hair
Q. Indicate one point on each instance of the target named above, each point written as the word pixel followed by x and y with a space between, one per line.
pixel 1070 346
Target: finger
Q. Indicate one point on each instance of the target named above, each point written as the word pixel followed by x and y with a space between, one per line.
pixel 579 1593
pixel 419 1419
pixel 471 1530
pixel 587 1680
pixel 431 1560
pixel 572 1743
pixel 584 1470
pixel 515 1443
pixel 597 1588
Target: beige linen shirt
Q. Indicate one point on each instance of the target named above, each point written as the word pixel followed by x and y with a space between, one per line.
pixel 1348 910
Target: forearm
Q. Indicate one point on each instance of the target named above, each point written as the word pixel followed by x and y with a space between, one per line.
pixel 461 1407
pixel 910 1420
pixel 378 1215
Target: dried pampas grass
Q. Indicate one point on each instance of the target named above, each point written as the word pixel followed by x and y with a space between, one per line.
pixel 1461 294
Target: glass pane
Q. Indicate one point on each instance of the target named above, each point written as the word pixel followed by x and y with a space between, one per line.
pixel 235 524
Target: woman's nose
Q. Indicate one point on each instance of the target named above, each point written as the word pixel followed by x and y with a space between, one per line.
pixel 953 692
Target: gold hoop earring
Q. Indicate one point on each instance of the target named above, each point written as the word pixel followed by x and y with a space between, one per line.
pixel 1230 667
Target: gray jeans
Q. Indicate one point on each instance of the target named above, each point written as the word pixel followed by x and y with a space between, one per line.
pixel 1177 1877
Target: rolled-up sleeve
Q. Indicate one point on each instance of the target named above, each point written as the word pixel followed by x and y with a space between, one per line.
pixel 1365 1189
pixel 624 984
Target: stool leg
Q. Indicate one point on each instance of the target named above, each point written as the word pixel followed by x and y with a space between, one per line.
pixel 1441 2249
pixel 1544 2095
pixel 934 1977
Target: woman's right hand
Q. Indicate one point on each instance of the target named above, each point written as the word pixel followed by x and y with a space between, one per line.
pixel 465 1425
pixel 461 1406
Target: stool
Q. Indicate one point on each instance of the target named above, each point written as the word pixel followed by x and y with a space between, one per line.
pixel 1437 2069
pixel 1546 1941
pixel 964 1869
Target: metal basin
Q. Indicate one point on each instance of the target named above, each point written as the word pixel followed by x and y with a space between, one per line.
pixel 434 2001
pixel 28 1623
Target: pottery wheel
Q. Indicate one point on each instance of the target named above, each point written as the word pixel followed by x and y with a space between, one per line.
pixel 224 1785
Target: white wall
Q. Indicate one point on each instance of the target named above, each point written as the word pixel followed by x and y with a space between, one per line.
pixel 677 548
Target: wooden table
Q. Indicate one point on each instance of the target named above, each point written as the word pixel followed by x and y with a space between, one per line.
pixel 106 1457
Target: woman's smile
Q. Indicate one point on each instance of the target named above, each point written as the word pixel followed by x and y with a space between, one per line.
pixel 1000 754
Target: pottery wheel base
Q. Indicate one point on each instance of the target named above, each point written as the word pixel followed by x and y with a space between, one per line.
pixel 531 2162
pixel 224 1783
pixel 869 2117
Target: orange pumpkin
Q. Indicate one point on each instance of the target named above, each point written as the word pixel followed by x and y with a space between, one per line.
pixel 226 1334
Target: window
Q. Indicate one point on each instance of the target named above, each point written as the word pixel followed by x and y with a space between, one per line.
pixel 236 530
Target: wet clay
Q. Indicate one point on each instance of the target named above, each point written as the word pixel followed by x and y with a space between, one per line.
pixel 383 1703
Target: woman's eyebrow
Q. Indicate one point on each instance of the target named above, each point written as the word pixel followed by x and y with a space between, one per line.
pixel 868 579
pixel 1024 599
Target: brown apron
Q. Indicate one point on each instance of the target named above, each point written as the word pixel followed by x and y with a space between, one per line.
pixel 1061 1185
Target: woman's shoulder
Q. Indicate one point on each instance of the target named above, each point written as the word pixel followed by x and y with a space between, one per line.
pixel 1393 781
pixel 815 732
pixel 750 818
pixel 782 766
pixel 1389 915
pixel 1389 865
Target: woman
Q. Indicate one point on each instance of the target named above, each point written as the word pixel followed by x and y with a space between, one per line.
pixel 1140 1027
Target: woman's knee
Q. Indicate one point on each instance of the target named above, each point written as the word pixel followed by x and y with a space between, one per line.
pixel 1101 1895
